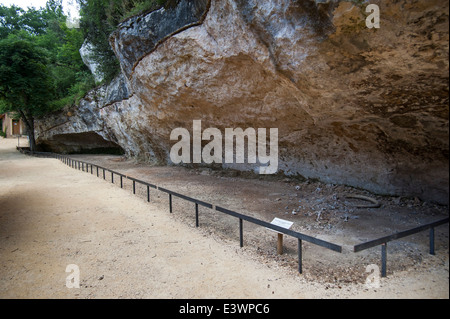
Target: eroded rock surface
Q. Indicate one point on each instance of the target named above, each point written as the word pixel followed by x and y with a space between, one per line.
pixel 140 35
pixel 357 106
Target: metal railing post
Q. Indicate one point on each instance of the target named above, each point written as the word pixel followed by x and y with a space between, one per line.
pixel 196 214
pixel 432 241
pixel 241 233
pixel 300 253
pixel 383 259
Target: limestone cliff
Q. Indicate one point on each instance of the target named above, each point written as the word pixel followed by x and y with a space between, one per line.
pixel 353 105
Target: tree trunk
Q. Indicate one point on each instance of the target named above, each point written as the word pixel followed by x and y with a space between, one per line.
pixel 29 123
pixel 31 139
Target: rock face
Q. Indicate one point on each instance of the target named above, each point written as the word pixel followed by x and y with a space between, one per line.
pixel 138 36
pixel 86 52
pixel 82 129
pixel 353 105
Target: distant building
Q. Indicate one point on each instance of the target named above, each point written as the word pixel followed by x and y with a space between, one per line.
pixel 10 126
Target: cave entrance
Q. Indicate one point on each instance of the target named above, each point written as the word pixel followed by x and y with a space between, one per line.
pixel 81 143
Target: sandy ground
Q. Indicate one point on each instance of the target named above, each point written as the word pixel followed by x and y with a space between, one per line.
pixel 52 216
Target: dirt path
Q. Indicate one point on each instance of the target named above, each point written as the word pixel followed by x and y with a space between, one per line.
pixel 52 216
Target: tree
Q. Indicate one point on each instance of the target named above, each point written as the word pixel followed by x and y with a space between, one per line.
pixel 72 78
pixel 26 85
pixel 16 19
pixel 41 69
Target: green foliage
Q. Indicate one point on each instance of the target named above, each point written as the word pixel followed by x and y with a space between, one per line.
pixel 47 29
pixel 15 19
pixel 25 80
pixel 119 10
pixel 84 83
pixel 40 65
pixel 44 30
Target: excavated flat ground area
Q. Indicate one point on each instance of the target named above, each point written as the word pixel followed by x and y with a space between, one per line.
pixel 52 216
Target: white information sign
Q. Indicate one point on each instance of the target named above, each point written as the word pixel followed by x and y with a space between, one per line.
pixel 282 223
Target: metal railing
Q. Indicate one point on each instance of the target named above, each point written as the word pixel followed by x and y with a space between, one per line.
pixel 89 167
pixel 384 240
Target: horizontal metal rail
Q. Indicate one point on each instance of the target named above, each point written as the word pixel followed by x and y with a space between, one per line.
pixel 386 239
pixel 190 199
pixel 310 239
pixel 138 181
